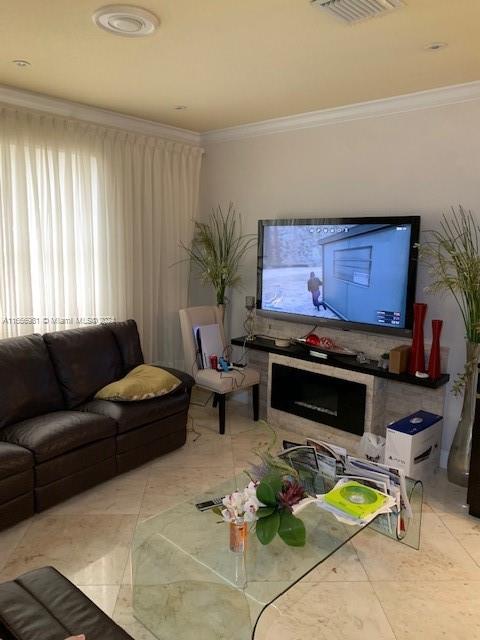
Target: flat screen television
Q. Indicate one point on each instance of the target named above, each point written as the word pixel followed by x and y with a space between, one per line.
pixel 353 273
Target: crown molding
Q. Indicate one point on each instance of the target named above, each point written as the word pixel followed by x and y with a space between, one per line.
pixel 40 102
pixel 373 109
pixel 376 108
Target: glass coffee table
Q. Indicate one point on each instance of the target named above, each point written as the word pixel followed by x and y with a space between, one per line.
pixel 188 584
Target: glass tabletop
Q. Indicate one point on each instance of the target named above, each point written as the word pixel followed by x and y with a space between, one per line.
pixel 188 584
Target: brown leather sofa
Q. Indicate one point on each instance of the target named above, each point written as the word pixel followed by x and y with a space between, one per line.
pixel 44 605
pixel 56 440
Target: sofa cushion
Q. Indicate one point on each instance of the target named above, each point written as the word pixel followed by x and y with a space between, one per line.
pixel 147 434
pixel 56 433
pixel 51 494
pixel 186 378
pixel 142 383
pixel 27 380
pixel 130 415
pixel 44 605
pixel 128 341
pixel 14 459
pixel 70 463
pixel 85 360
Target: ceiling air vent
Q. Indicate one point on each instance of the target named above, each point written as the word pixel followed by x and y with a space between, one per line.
pixel 356 10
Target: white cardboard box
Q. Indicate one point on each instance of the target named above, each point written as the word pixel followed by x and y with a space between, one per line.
pixel 413 444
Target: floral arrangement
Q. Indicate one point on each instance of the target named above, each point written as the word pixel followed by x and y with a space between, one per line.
pixel 241 505
pixel 278 495
pixel 269 504
pixel 269 500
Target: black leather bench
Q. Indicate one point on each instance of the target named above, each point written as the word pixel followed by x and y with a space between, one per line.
pixel 44 605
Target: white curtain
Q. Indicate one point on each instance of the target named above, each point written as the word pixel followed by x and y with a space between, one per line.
pixel 91 220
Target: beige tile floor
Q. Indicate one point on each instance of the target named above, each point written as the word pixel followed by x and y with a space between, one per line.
pixel 371 589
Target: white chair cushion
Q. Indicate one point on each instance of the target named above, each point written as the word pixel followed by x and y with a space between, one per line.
pixel 223 382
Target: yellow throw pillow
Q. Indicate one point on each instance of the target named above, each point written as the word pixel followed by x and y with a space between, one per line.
pixel 141 383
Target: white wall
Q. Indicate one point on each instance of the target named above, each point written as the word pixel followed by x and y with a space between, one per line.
pixel 420 162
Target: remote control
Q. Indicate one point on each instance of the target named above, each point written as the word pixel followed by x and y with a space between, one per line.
pixel 209 504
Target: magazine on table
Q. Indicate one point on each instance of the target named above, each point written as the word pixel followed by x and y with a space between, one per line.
pixel 328 449
pixel 378 485
pixel 396 479
pixel 330 458
pixel 304 460
pixel 383 486
pixel 325 465
pixel 354 502
pixel 299 455
pixel 333 462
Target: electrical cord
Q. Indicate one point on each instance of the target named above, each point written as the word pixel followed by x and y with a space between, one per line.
pixel 191 429
pixel 203 404
pixel 308 333
pixel 243 355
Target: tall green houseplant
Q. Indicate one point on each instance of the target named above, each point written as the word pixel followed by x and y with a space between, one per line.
pixel 452 254
pixel 218 248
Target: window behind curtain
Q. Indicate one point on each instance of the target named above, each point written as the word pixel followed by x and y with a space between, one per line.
pixel 54 245
pixel 91 220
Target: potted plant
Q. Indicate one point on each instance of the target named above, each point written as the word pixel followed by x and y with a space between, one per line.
pixel 452 254
pixel 218 248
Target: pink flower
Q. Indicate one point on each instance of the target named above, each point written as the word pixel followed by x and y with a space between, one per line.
pixel 291 494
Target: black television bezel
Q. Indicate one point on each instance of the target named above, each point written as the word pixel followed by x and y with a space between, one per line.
pixel 414 221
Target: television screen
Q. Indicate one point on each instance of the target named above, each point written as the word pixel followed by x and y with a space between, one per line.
pixel 342 271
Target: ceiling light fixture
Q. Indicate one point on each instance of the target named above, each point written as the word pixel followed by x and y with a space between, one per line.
pixel 435 46
pixel 180 107
pixel 22 63
pixel 126 20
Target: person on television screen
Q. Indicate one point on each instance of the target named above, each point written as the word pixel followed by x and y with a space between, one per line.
pixel 313 285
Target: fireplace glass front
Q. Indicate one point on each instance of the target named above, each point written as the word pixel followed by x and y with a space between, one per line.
pixel 325 399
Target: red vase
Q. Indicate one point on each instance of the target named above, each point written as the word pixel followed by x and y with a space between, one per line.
pixel 434 361
pixel 417 353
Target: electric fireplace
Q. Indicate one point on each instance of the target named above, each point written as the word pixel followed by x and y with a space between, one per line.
pixel 333 401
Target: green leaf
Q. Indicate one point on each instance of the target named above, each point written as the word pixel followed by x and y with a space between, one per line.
pixel 263 512
pixel 218 248
pixel 268 489
pixel 291 530
pixel 267 527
